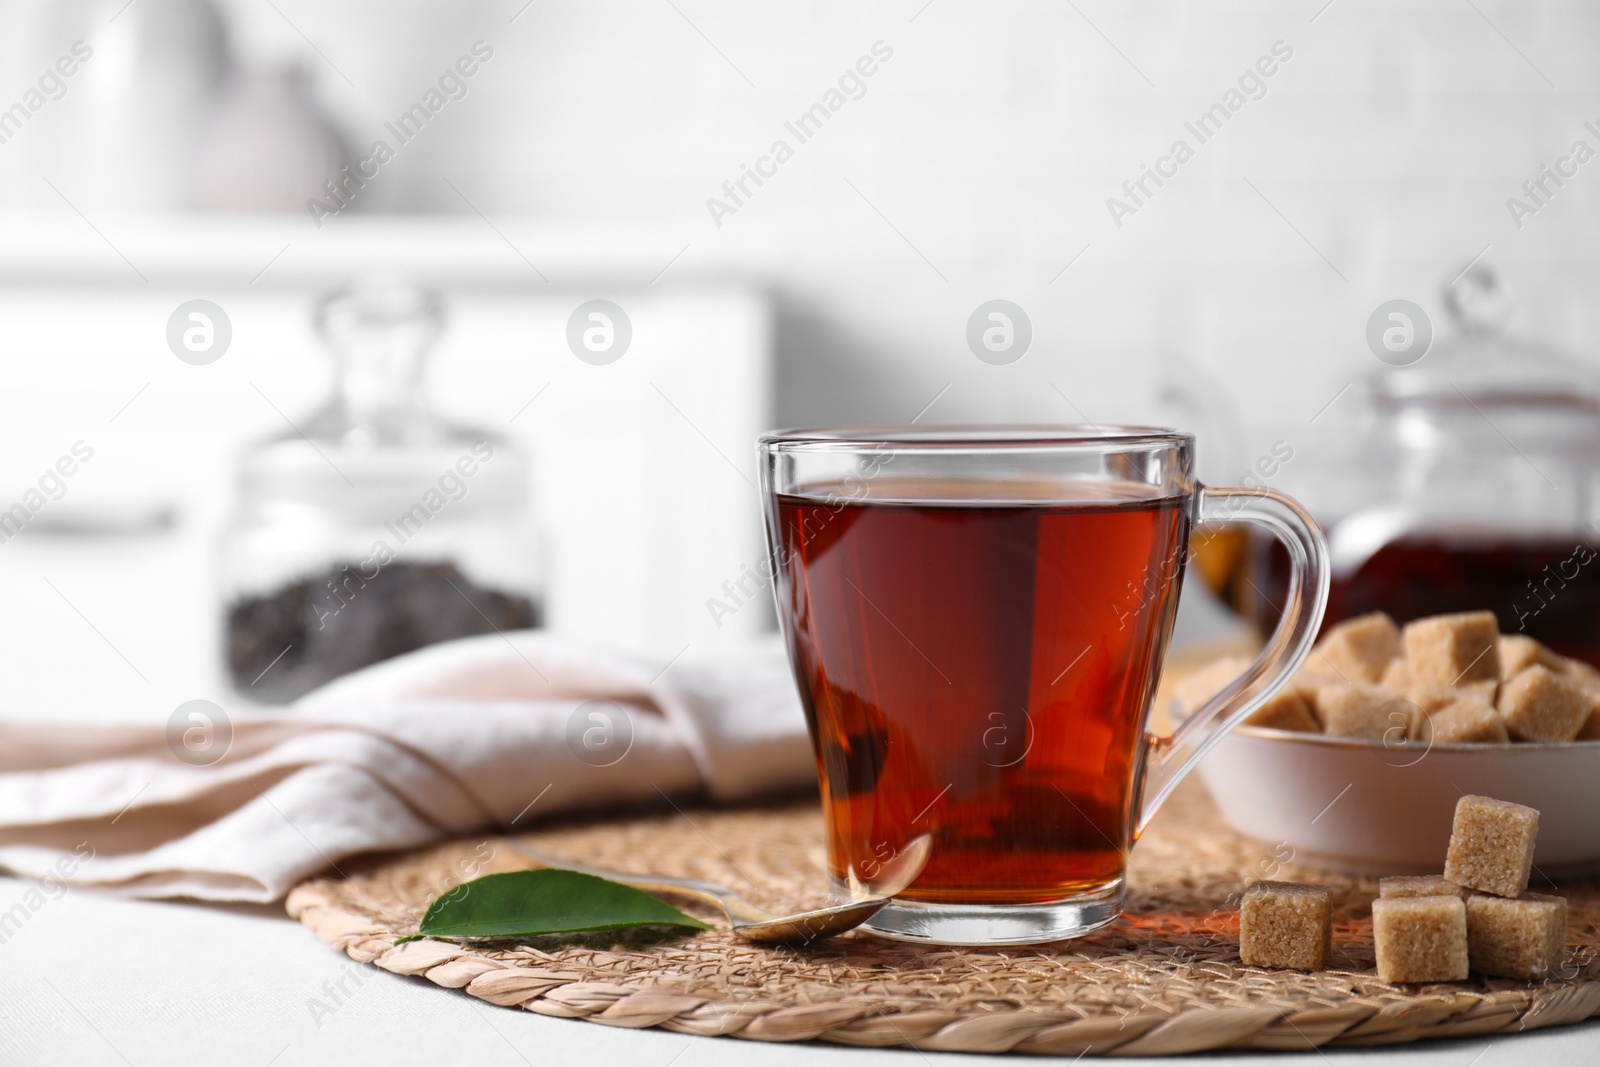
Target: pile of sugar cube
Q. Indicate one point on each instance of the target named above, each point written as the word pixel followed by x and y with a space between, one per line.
pixel 1477 917
pixel 1445 679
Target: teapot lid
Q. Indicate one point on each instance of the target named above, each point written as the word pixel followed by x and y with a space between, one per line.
pixel 1483 365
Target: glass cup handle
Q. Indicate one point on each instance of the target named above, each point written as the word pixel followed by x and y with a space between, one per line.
pixel 1168 759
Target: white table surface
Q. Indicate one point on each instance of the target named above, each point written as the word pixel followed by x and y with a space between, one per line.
pixel 94 979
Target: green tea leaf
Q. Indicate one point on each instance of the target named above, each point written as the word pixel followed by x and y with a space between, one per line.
pixel 545 901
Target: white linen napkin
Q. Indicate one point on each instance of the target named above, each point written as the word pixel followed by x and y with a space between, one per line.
pixel 487 732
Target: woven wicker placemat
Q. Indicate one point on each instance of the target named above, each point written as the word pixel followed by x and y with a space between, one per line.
pixel 1165 980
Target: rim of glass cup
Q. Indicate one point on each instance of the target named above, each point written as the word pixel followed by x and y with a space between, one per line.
pixel 984 436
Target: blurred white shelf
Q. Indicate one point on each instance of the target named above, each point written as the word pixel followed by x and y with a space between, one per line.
pixel 277 251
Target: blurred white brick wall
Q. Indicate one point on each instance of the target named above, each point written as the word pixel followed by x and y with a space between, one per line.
pixel 993 138
pixel 991 141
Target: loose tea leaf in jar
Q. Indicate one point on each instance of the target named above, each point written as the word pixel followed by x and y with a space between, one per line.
pixel 285 643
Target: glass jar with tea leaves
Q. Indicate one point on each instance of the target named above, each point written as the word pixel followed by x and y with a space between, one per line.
pixel 1468 478
pixel 373 526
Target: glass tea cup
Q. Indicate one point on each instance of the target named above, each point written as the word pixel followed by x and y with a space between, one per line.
pixel 977 619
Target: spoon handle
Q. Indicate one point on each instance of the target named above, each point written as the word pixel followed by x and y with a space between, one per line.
pixel 737 908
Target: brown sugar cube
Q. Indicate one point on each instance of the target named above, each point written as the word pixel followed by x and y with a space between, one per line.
pixel 1420 939
pixel 1285 925
pixel 1491 846
pixel 1363 711
pixel 1586 678
pixel 1580 674
pixel 1306 682
pixel 1360 649
pixel 1418 885
pixel 1519 652
pixel 1590 731
pixel 1575 670
pixel 1465 721
pixel 1540 705
pixel 1396 676
pixel 1521 938
pixel 1285 710
pixel 1430 698
pixel 1452 649
pixel 1318 671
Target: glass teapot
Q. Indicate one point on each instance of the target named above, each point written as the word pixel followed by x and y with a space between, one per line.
pixel 374 526
pixel 1469 483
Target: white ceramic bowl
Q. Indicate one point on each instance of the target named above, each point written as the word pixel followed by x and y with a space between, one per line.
pixel 1364 808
